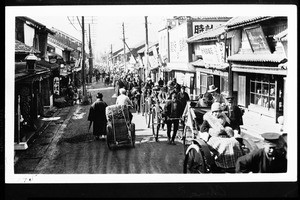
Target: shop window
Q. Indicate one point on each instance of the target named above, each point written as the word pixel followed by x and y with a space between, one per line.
pixel 262 92
pixel 205 81
pixel 224 84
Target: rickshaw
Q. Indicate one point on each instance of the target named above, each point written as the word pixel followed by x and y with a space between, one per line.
pixel 120 130
pixel 199 155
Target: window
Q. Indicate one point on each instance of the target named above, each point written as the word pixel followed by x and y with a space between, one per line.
pixel 262 91
pixel 205 81
pixel 224 84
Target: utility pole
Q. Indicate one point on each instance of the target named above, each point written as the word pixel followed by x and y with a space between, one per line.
pixel 146 73
pixel 85 97
pixel 91 57
pixel 125 68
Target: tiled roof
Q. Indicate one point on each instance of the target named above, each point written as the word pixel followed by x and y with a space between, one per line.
pixel 179 67
pixel 238 21
pixel 198 62
pixel 21 71
pixel 20 47
pixel 142 50
pixel 209 34
pixel 276 58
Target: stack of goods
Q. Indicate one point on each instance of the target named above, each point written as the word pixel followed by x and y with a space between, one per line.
pixel 118 117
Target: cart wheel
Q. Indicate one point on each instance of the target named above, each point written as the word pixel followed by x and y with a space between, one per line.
pixel 194 162
pixel 132 127
pixel 155 124
pixel 109 136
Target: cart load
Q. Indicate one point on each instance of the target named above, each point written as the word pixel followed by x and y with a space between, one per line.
pixel 120 131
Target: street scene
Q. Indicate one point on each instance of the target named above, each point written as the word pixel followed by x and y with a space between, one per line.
pixel 186 94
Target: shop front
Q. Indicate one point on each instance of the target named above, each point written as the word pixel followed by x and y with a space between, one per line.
pixel 185 74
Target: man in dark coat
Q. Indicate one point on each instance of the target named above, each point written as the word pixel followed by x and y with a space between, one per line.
pixel 172 110
pixel 97 117
pixel 270 159
pixel 234 113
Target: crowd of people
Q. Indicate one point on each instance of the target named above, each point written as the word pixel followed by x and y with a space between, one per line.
pixel 220 126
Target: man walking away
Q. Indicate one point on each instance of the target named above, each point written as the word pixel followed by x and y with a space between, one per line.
pixel 97 117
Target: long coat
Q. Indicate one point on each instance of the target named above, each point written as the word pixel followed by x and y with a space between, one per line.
pixel 98 117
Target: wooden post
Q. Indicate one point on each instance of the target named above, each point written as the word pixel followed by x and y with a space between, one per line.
pixel 18 121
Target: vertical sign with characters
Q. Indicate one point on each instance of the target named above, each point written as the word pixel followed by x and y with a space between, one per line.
pixel 56 85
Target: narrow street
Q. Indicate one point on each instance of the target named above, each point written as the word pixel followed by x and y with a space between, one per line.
pixel 67 147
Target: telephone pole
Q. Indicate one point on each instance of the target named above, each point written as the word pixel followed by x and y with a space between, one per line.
pixel 85 97
pixel 146 73
pixel 91 57
pixel 125 68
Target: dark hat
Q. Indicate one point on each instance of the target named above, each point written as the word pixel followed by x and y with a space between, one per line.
pixel 99 95
pixel 271 136
pixel 183 86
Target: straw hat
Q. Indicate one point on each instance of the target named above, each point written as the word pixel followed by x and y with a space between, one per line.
pixel 212 88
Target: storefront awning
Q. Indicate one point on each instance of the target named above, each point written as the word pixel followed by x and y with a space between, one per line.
pixel 186 67
pixel 259 69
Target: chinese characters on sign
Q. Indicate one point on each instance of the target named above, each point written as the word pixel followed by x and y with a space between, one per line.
pixel 56 85
pixel 200 28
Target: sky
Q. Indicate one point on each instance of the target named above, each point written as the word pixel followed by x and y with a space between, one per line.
pixel 107 30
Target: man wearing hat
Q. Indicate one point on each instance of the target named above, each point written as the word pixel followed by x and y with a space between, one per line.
pixel 216 96
pixel 270 159
pixel 234 113
pixel 97 116
pixel 172 112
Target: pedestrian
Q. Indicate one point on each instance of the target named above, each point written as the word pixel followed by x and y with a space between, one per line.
pixel 234 113
pixel 216 96
pixel 270 159
pixel 172 112
pixel 160 82
pixel 97 117
pixel 122 99
pixel 183 97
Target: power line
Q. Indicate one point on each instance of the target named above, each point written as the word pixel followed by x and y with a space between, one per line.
pixel 79 22
pixel 72 24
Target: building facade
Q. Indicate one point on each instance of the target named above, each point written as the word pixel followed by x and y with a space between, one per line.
pixel 259 68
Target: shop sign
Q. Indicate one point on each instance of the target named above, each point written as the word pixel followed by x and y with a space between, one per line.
pixel 211 54
pixel 56 85
pixel 178 44
pixel 199 27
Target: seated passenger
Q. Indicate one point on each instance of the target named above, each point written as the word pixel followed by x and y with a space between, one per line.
pixel 205 100
pixel 215 130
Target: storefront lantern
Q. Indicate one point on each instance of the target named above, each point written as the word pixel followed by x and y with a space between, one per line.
pixel 31 62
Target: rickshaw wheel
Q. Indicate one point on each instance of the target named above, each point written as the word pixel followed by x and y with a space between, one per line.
pixel 108 136
pixel 132 127
pixel 194 162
